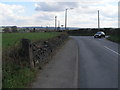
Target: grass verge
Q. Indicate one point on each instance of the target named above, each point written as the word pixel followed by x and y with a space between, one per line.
pixel 114 38
pixel 18 78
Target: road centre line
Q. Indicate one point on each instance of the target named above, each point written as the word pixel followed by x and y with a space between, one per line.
pixel 112 50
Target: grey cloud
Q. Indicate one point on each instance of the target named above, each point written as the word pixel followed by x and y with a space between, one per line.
pixel 44 18
pixel 55 7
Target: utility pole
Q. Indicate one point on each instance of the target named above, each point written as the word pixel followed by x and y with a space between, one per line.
pixel 119 14
pixel 62 27
pixel 98 20
pixel 65 18
pixel 55 22
pixel 58 25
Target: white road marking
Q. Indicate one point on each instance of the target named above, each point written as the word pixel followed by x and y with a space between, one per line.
pixel 112 50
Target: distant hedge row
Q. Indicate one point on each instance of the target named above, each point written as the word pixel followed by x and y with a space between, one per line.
pixel 90 32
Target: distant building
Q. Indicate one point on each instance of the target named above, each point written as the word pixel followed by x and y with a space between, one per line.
pixel 1 29
pixel 9 29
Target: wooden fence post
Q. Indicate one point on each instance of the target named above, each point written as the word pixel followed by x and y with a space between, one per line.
pixel 27 47
pixel 31 56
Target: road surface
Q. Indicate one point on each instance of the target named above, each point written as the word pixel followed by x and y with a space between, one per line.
pixel 61 72
pixel 98 63
pixel 83 62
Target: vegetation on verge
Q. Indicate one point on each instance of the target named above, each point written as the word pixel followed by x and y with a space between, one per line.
pixel 115 37
pixel 19 75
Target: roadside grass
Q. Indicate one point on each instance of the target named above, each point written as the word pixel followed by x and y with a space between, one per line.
pixel 10 39
pixel 114 38
pixel 17 76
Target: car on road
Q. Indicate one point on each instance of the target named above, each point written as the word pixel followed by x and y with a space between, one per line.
pixel 99 34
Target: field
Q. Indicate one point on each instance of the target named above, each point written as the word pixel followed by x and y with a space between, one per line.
pixel 9 39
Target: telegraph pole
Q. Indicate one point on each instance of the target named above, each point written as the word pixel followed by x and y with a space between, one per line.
pixel 58 25
pixel 65 18
pixel 55 22
pixel 98 20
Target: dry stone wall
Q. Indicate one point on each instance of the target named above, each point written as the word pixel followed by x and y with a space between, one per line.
pixel 34 54
pixel 43 50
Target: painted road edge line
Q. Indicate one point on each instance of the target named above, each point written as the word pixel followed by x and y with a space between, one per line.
pixel 112 50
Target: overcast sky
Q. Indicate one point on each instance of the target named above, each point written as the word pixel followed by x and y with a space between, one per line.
pixel 83 15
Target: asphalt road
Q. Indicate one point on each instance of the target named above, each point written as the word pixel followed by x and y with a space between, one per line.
pixel 98 63
pixel 83 62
